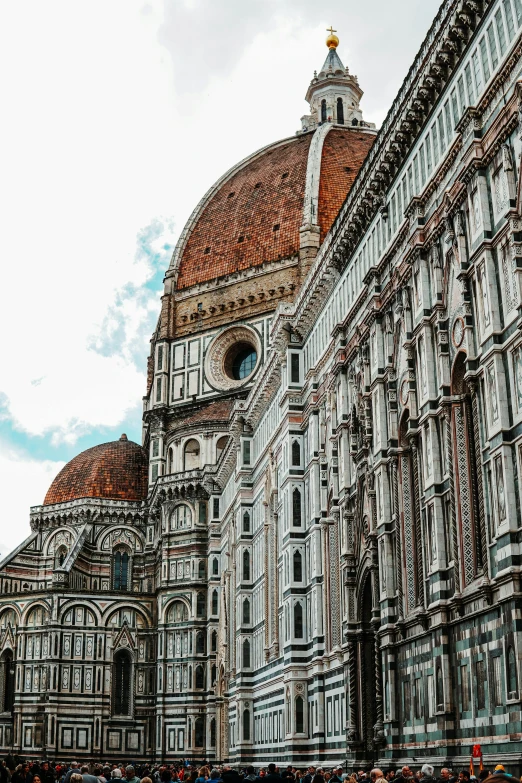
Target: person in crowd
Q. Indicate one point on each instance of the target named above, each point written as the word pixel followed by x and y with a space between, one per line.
pixel 230 775
pixel 250 775
pixel 426 773
pixel 288 774
pixel 336 776
pixel 405 776
pixel 310 772
pixel 464 776
pixel 116 774
pixel 273 775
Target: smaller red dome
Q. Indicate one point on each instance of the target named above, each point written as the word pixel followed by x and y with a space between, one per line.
pixel 115 471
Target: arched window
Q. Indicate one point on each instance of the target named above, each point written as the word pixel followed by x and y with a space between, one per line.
pixel 120 572
pixel 340 111
pixel 59 559
pixel 201 569
pixel 246 522
pixel 170 461
pixel 246 725
pixel 178 613
pixel 439 684
pixel 298 621
pixel 7 672
pixel 355 121
pixel 199 732
pixel 200 605
pixel 215 567
pixel 298 567
pixel 213 732
pixel 220 446
pixel 200 677
pixel 214 602
pixel 296 508
pixel 246 565
pixel 122 685
pixel 246 654
pixel 200 643
pixel 512 679
pixel 323 110
pixel 296 454
pixel 214 674
pixel 299 715
pixel 191 459
pixel 246 611
pixel 213 641
pixel 181 518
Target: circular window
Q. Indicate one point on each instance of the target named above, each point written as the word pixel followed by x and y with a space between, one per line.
pixel 232 357
pixel 240 361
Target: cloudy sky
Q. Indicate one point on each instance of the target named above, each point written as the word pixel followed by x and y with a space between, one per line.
pixel 117 115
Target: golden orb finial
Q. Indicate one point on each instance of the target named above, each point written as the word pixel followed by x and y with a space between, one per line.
pixel 332 41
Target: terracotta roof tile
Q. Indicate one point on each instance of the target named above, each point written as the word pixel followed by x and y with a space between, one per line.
pixel 344 151
pixel 116 470
pixel 216 411
pixel 237 224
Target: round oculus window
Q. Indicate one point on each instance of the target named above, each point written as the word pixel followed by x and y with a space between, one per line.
pixel 232 357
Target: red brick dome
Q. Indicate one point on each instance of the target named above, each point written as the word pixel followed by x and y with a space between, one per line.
pixel 116 471
pixel 253 214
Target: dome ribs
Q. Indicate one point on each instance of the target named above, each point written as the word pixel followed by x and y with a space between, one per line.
pixel 251 213
pixel 343 154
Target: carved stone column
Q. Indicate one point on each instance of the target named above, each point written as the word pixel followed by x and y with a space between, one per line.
pixel 398 538
pixel 420 600
pixel 335 602
pixel 482 539
pixel 453 517
pixel 353 734
pixel 378 729
pixel 327 619
pixel 266 580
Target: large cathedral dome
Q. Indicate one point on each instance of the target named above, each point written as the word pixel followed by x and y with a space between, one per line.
pixel 254 213
pixel 279 203
pixel 115 471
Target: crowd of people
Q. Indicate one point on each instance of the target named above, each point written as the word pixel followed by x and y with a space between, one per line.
pixel 185 772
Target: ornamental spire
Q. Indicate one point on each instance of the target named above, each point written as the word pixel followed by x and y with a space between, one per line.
pixel 333 94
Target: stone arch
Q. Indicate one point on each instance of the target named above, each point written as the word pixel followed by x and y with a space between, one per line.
pixel 175 600
pixel 35 605
pixel 74 604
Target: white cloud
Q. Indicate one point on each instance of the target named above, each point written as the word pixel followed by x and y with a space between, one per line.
pixel 114 114
pixel 21 478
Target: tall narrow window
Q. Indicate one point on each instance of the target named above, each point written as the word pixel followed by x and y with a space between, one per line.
pixel 340 111
pixel 439 689
pixel 246 611
pixel 200 643
pixel 323 110
pixel 298 620
pixel 480 680
pixel 246 654
pixel 246 522
pixel 246 565
pixel 199 732
pixel 246 725
pixel 122 686
pixel 298 567
pixel 213 732
pixel 214 602
pixel 120 570
pixel 464 687
pixel 299 715
pixel 200 605
pixel 296 508
pixel 8 680
pixel 213 642
pixel 200 677
pixel 294 368
pixel 512 673
pixel 215 567
pixel 296 454
pixel 191 455
pixel 201 569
